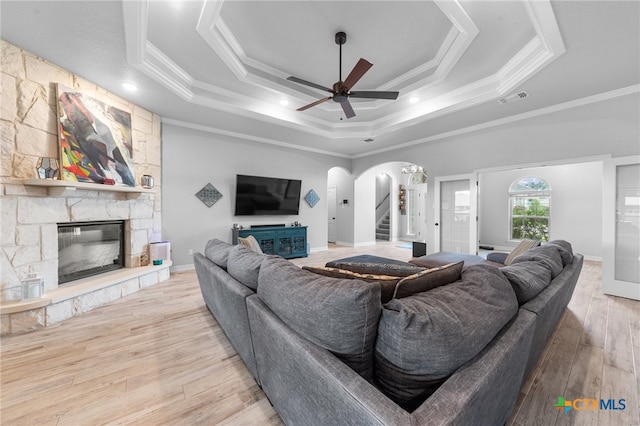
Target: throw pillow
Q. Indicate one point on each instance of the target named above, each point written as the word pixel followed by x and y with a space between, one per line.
pixel 528 278
pixel 428 279
pixel 339 315
pixel 424 338
pixel 251 243
pixel 387 282
pixel 218 252
pixel 497 257
pixel 519 249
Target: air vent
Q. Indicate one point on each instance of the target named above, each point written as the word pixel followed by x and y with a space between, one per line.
pixel 515 97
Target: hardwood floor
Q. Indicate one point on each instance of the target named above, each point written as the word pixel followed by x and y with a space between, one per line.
pixel 158 357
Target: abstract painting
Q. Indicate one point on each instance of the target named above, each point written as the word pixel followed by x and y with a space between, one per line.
pixel 95 140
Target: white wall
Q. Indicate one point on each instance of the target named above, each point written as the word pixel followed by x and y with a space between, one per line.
pixel 576 205
pixel 192 158
pixel 608 127
pixel 342 180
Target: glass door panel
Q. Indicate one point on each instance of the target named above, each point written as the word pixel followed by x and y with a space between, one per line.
pixel 621 239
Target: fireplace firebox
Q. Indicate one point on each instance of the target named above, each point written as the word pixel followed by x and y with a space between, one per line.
pixel 89 248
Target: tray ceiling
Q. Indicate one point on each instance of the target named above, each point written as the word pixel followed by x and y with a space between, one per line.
pixel 222 66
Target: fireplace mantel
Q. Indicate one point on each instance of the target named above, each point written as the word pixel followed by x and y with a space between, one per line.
pixel 64 187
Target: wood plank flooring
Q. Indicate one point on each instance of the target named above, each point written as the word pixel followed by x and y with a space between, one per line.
pixel 158 357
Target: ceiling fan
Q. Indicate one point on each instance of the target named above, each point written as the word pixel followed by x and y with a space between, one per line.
pixel 341 90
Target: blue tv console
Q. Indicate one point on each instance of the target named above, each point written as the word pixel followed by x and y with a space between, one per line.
pixel 285 241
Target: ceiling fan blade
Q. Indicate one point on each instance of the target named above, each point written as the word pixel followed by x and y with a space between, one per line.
pixel 308 83
pixel 356 74
pixel 312 104
pixel 346 107
pixel 373 95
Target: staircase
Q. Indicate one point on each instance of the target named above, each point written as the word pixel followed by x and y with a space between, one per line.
pixel 382 230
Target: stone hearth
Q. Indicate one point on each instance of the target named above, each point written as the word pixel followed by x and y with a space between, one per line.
pixel 30 212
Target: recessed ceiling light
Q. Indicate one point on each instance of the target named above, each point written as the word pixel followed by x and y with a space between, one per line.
pixel 131 87
pixel 414 99
pixel 284 102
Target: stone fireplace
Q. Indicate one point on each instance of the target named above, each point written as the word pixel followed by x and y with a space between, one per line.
pixel 31 209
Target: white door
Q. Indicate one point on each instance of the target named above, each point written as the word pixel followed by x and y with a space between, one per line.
pixel 455 214
pixel 331 203
pixel 621 227
pixel 417 212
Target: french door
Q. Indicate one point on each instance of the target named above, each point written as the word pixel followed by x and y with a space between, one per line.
pixel 455 215
pixel 621 227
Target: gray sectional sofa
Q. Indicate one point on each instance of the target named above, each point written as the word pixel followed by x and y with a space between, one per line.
pixel 327 351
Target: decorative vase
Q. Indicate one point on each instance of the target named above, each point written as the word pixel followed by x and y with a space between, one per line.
pixel 47 168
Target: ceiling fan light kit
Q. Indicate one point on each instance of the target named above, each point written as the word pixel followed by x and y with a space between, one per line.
pixel 341 90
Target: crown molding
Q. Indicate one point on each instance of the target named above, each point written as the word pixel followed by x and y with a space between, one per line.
pixel 248 137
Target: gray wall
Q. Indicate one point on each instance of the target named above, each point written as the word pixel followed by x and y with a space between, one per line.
pixel 609 127
pixel 192 158
pixel 576 205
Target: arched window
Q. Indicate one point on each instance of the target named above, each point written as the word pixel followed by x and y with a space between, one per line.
pixel 529 209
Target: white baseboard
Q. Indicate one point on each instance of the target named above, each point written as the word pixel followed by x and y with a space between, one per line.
pixel 317 249
pixel 181 268
pixel 366 243
pixel 593 258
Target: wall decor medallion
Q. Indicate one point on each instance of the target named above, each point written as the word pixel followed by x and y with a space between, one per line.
pixel 312 198
pixel 95 140
pixel 209 195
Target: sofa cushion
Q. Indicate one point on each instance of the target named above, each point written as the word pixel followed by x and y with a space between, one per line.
pixel 218 252
pixel 387 282
pixel 428 279
pixel 244 265
pixel 442 258
pixel 340 315
pixel 549 255
pixel 369 264
pixel 424 338
pixel 522 247
pixel 528 278
pixel 251 243
pixel 565 249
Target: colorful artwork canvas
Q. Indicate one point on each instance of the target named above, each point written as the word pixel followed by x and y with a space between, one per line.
pixel 95 140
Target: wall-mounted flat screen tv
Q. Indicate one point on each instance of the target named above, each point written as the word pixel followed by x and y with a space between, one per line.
pixel 258 195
